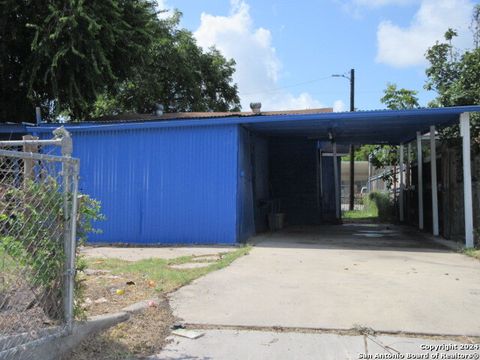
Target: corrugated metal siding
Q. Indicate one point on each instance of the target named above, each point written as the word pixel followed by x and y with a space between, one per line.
pixel 12 131
pixel 246 224
pixel 162 185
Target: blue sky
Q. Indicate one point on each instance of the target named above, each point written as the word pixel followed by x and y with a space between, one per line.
pixel 286 50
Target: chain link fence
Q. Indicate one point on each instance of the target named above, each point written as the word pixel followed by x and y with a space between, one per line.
pixel 358 203
pixel 38 204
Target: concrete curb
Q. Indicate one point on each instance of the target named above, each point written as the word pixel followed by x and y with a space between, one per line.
pixel 7 341
pixel 54 346
pixel 452 245
pixel 139 306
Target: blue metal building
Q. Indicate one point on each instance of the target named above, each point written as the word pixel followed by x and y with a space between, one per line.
pixel 214 180
pixel 10 131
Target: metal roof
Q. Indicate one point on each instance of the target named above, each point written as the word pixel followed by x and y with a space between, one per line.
pixel 361 127
pixel 132 117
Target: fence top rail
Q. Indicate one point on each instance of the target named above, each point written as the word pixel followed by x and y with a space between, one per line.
pixel 7 143
pixel 38 156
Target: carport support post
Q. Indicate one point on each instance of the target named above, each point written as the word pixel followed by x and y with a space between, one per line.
pixel 409 163
pixel 467 178
pixel 420 180
pixel 433 171
pixel 335 178
pixel 369 182
pixel 402 186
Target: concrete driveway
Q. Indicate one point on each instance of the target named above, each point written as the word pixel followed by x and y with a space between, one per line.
pixel 340 277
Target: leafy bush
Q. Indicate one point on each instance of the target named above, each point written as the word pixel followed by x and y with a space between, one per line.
pixel 32 223
pixel 384 205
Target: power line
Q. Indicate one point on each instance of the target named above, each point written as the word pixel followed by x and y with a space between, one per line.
pixel 286 87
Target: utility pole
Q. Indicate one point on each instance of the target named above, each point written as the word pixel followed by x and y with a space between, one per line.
pixel 352 149
pixel 351 78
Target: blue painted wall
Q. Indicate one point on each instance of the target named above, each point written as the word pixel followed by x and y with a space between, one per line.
pixel 161 185
pixel 12 131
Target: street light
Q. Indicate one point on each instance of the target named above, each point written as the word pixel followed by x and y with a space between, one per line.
pixel 351 78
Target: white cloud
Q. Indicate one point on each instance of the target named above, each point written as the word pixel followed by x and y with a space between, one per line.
pixel 162 5
pixel 257 65
pixel 402 47
pixel 338 106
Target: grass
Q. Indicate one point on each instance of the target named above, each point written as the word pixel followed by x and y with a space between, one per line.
pixel 159 270
pixel 475 253
pixel 369 212
pixel 378 207
pixel 360 214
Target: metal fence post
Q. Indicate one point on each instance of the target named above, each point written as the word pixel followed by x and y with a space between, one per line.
pixel 71 271
pixel 69 208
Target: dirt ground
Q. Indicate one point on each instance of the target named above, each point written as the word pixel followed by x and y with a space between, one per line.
pixel 143 335
pixel 113 284
pixel 101 295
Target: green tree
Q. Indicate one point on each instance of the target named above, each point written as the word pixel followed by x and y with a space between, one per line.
pixel 455 77
pixel 63 53
pixel 178 75
pixel 81 58
pixel 399 99
pixel 394 99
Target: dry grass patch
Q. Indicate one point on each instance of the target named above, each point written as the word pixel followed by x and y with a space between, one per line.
pixel 112 284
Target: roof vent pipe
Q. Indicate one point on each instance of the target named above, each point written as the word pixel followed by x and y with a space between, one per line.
pixel 255 106
pixel 38 115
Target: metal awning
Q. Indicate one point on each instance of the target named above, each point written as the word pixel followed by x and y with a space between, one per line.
pixel 363 127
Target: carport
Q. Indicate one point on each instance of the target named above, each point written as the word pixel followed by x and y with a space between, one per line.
pixel 274 142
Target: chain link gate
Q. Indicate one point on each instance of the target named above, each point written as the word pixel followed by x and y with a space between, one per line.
pixel 38 217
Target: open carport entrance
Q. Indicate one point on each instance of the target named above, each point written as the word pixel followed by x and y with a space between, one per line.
pixel 289 161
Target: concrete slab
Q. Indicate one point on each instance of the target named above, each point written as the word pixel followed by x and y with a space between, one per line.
pixel 421 348
pixel 244 345
pixel 235 344
pixel 329 278
pixel 141 253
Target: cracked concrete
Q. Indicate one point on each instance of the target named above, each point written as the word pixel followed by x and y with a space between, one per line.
pixel 329 278
pixel 313 293
pixel 248 344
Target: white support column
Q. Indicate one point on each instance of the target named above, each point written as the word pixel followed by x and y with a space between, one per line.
pixel 467 178
pixel 420 180
pixel 402 186
pixel 335 178
pixel 433 171
pixel 369 184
